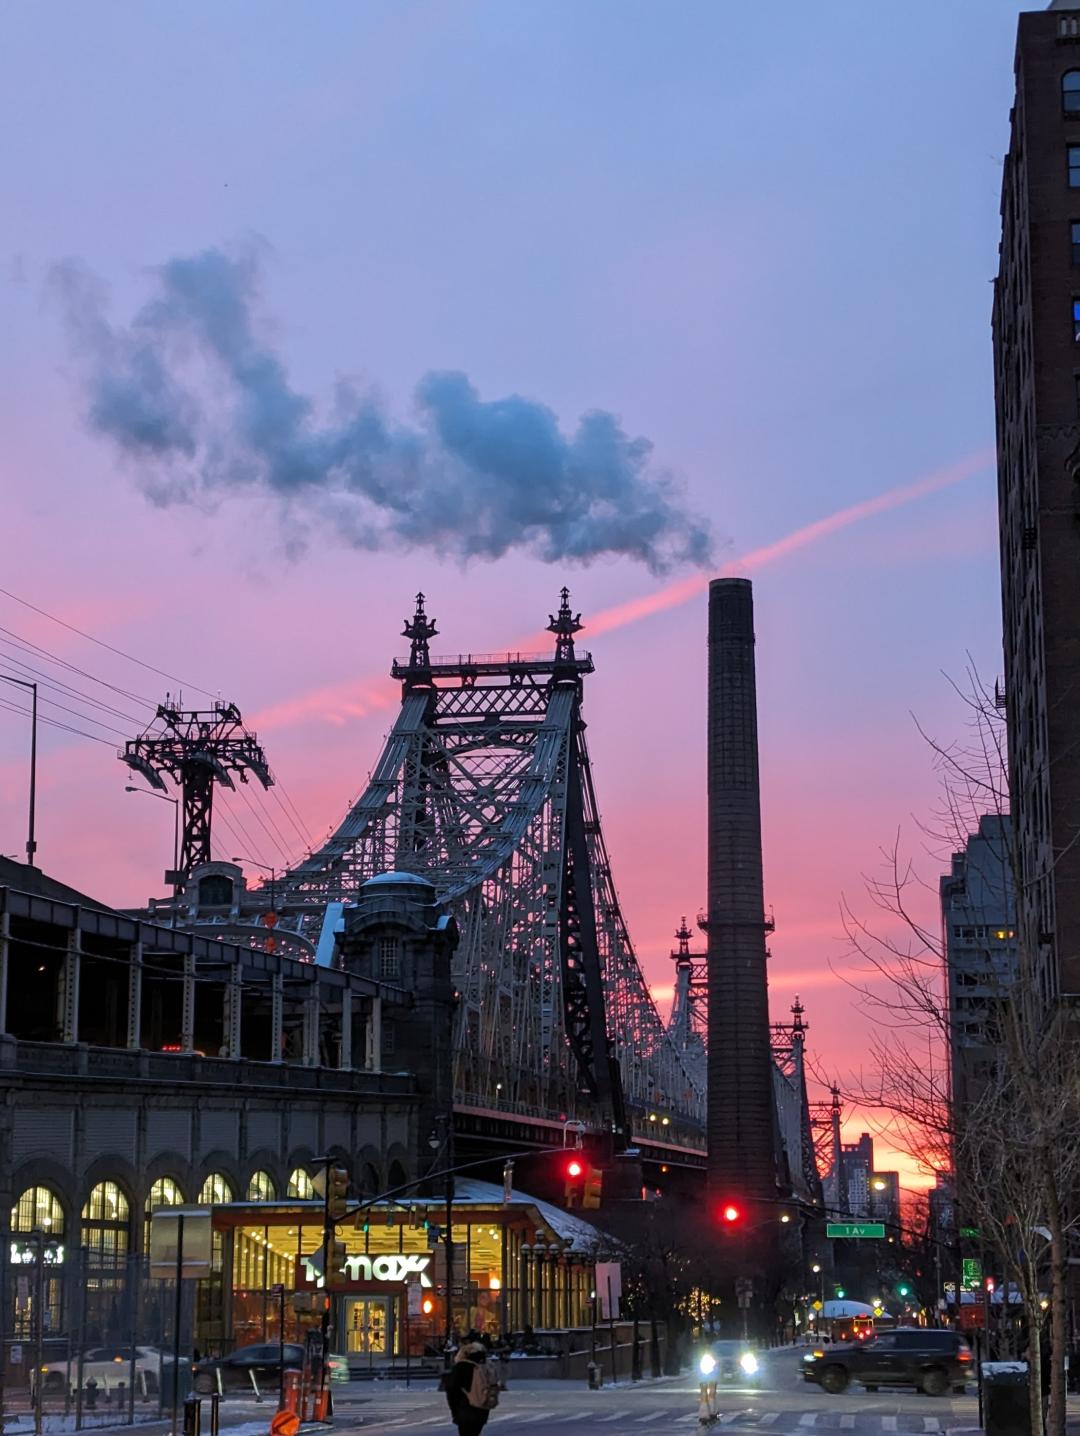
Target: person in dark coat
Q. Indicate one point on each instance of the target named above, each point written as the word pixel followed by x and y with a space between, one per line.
pixel 469 1419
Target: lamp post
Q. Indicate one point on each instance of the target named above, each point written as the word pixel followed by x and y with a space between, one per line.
pixel 149 793
pixel 263 867
pixel 31 844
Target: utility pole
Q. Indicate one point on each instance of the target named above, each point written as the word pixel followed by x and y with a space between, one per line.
pixel 31 841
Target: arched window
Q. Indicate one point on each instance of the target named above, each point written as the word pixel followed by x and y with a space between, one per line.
pixel 164 1193
pixel 215 1190
pixel 38 1209
pixel 106 1220
pixel 370 1182
pixel 396 1177
pixel 216 891
pixel 1070 92
pixel 261 1188
pixel 301 1185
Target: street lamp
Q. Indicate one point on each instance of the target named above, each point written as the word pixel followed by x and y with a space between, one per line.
pixel 31 844
pixel 149 793
pixel 264 868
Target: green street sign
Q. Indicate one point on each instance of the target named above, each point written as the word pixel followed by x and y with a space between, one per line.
pixel 854 1229
pixel 971 1280
pixel 969 1231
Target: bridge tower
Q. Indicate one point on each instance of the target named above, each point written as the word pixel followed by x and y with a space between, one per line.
pixel 689 1009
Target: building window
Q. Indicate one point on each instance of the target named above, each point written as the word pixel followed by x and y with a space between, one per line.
pixel 38 1209
pixel 389 1040
pixel 164 1193
pixel 1074 166
pixel 1070 92
pixel 389 957
pixel 301 1186
pixel 1076 320
pixel 216 891
pixel 105 1226
pixel 261 1188
pixel 215 1190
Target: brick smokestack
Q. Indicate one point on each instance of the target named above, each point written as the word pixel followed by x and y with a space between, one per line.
pixel 741 1120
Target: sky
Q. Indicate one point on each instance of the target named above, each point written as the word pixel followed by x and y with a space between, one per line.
pixel 761 236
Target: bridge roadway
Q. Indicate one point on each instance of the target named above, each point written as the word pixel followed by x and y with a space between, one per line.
pixel 480 1131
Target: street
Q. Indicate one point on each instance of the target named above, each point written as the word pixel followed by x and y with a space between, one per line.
pixel 781 1404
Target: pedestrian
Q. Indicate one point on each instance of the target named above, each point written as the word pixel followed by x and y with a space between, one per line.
pixel 472 1391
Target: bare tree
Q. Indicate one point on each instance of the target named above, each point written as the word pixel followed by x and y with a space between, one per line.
pixel 1010 1135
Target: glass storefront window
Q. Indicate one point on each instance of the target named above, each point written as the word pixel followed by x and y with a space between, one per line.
pixel 38 1209
pixel 164 1193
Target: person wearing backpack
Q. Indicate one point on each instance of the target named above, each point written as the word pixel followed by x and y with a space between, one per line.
pixel 472 1389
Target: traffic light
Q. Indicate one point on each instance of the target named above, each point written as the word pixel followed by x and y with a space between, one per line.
pixel 335 1258
pixel 731 1214
pixel 427 1305
pixel 840 1293
pixel 903 1289
pixel 337 1193
pixel 989 1284
pixel 574 1181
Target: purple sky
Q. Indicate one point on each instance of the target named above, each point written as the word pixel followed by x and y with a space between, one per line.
pixel 762 236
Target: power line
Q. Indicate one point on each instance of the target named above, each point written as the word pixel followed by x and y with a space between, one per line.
pixel 46 680
pixel 75 712
pixel 55 723
pixel 28 647
pixel 102 644
pixel 291 811
pixel 262 809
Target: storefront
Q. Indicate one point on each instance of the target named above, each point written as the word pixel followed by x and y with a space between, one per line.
pixel 513 1265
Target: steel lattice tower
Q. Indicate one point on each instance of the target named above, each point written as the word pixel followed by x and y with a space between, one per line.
pixel 485 788
pixel 197 750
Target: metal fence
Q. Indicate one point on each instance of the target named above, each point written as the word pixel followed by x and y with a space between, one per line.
pixel 85 1345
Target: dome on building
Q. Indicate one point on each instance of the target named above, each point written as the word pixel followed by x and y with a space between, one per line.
pixel 385 879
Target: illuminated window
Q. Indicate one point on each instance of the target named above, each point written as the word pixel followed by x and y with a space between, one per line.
pixel 38 1209
pixel 164 1193
pixel 261 1188
pixel 1076 320
pixel 389 957
pixel 1070 92
pixel 215 1190
pixel 300 1185
pixel 106 1220
pixel 1074 166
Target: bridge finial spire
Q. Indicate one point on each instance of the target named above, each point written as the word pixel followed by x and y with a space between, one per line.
pixel 564 625
pixel 682 934
pixel 420 629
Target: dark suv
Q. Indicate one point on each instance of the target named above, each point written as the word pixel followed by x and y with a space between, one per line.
pixel 931 1359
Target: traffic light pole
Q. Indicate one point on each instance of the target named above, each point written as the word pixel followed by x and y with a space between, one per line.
pixel 328 1239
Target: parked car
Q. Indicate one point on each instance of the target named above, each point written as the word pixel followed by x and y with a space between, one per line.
pixel 931 1359
pixel 258 1366
pixel 728 1361
pixel 108 1367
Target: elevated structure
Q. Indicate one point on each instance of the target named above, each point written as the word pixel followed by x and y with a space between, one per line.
pixel 689 1020
pixel 196 750
pixel 797 1166
pixel 485 789
pixel 743 1141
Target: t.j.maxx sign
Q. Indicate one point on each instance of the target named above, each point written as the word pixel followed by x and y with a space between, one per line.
pixel 393 1269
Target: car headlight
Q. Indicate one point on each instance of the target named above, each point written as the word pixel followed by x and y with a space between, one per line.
pixel 749 1363
pixel 707 1364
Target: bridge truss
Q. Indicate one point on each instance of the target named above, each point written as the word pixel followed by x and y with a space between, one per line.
pixel 485 788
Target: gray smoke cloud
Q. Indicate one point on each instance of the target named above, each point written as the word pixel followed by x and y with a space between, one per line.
pixel 193 394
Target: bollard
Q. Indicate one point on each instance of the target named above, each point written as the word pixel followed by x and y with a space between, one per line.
pixel 215 1413
pixel 596 1376
pixel 192 1416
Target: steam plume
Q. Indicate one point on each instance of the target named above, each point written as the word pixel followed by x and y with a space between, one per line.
pixel 191 393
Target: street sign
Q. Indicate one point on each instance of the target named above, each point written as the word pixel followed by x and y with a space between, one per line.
pixel 854 1229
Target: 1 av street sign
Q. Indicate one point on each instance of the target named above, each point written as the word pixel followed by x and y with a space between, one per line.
pixel 854 1229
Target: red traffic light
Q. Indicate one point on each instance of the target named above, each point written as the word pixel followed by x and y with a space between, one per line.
pixel 574 1168
pixel 730 1213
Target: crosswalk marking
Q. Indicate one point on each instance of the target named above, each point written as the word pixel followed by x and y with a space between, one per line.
pixel 615 1416
pixel 769 1418
pixel 931 1423
pixel 649 1416
pixel 535 1417
pixel 847 1422
pixel 808 1418
pixel 888 1423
